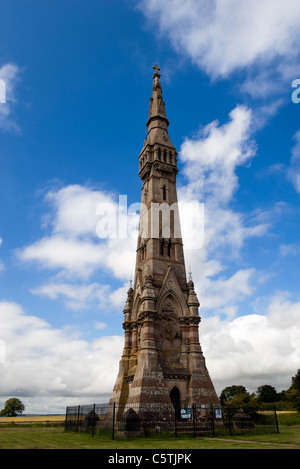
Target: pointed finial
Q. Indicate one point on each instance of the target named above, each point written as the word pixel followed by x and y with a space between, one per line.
pixel 156 74
pixel 190 274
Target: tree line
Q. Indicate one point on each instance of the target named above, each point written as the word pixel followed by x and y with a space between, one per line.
pixel 236 396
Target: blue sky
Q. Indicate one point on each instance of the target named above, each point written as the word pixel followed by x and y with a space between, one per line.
pixel 77 78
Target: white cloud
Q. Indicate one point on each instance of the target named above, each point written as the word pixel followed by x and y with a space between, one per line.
pixel 43 361
pixel 222 293
pixel 118 297
pixel 254 349
pixel 212 156
pixel 74 252
pixel 76 296
pixel 73 246
pixel 74 209
pixel 72 256
pixel 289 249
pixel 221 37
pixel 293 172
pixel 81 296
pixel 9 76
pixel 211 159
pixel 99 325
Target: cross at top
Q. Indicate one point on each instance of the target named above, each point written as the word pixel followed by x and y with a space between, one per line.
pixel 156 74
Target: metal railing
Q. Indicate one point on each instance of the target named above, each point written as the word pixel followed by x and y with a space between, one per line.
pixel 163 420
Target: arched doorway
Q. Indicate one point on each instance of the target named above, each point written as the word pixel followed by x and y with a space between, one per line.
pixel 175 398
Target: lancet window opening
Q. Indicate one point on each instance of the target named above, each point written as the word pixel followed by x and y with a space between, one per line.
pixel 143 252
pixel 161 248
pixel 166 248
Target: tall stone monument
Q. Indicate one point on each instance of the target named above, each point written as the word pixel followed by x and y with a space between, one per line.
pixel 162 361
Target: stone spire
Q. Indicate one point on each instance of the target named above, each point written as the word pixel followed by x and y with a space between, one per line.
pixel 157 123
pixel 157 105
pixel 162 357
pixel 160 243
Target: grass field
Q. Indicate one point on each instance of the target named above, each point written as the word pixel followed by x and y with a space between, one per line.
pixel 32 419
pixel 44 437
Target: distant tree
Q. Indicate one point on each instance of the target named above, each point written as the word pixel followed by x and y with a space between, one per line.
pixel 296 381
pixel 293 396
pixel 229 392
pixel 246 401
pixel 12 407
pixel 266 393
pixel 293 393
pixel 282 395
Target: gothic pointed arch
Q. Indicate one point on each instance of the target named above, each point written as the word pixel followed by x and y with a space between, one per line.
pixel 170 304
pixel 136 308
pixel 171 287
pixel 175 297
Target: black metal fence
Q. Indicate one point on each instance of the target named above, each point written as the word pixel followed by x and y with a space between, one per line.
pixel 158 420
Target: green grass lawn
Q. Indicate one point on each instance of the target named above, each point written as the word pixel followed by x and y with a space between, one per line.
pixel 57 438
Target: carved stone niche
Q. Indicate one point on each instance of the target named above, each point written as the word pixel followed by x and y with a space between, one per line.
pixel 169 333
